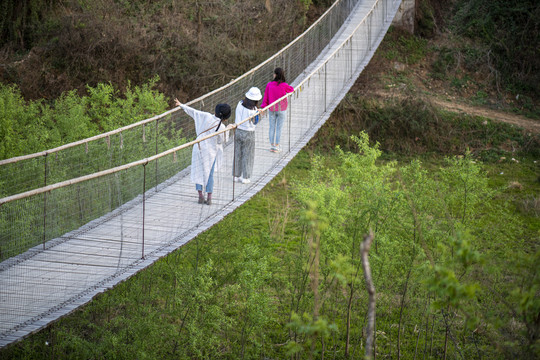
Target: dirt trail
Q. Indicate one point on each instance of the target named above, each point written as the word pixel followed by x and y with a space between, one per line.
pixel 521 121
pixel 393 79
pixel 518 120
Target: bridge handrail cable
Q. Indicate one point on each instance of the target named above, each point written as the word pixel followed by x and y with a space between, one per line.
pixel 175 149
pixel 154 118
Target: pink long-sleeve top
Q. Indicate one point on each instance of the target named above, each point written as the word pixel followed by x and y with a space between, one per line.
pixel 274 91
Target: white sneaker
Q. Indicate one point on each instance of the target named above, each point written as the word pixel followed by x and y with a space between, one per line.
pixel 246 181
pixel 237 179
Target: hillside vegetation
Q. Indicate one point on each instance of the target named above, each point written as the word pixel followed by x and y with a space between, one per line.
pixel 73 69
pixel 52 46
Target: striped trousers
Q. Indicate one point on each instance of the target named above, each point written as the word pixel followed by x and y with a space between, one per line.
pixel 244 153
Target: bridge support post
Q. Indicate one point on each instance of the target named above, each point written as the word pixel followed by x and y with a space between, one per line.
pixel 143 207
pixel 45 202
pixel 405 16
pixel 234 161
pixel 289 98
pixel 351 57
pixel 157 133
pixel 325 75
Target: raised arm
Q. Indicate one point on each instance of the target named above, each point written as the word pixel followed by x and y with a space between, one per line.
pixel 195 114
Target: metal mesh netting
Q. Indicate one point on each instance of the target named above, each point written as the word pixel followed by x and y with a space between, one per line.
pixel 153 136
pixel 97 210
pixel 149 137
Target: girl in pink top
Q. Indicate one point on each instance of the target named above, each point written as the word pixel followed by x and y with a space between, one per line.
pixel 274 90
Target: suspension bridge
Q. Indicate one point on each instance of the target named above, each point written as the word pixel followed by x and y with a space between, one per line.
pixel 78 219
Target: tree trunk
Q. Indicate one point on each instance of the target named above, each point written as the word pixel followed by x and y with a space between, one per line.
pixel 315 289
pixel 368 239
pixel 401 313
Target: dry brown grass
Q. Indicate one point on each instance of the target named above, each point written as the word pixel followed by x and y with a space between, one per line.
pixel 193 46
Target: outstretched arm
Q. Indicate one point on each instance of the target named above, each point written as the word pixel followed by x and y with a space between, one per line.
pixel 195 114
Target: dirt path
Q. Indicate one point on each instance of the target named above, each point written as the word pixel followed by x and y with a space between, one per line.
pixel 391 79
pixel 521 121
pixel 459 107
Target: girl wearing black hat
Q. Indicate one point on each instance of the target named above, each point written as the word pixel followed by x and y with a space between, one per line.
pixel 207 155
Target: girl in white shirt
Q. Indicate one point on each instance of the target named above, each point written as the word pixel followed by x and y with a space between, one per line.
pixel 244 140
pixel 207 155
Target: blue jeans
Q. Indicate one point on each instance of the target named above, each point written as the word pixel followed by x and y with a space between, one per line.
pixel 276 119
pixel 210 184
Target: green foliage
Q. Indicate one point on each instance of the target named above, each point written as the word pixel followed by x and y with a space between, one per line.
pixel 306 4
pixel 444 282
pixel 308 327
pixel 510 29
pixel 33 126
pixel 525 296
pixel 465 187
pixel 405 48
pixel 67 119
pixel 197 296
pixel 20 127
pixel 242 290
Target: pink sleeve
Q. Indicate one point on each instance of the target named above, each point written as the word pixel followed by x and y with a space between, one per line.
pixel 265 101
pixel 288 88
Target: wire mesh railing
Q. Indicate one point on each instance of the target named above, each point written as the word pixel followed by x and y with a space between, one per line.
pixel 155 135
pixel 141 140
pixel 99 207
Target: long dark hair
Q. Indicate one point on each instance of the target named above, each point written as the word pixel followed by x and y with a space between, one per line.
pixel 280 75
pixel 249 104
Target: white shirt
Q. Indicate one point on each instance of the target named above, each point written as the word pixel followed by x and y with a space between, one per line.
pixel 207 151
pixel 242 113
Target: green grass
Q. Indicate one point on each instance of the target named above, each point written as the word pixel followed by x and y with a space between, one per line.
pixel 404 48
pixel 145 316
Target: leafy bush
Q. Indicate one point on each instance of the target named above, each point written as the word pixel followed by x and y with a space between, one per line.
pixel 21 129
pixel 28 127
pixel 415 126
pixel 511 30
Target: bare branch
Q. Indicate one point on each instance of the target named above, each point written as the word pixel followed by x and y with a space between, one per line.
pixel 366 245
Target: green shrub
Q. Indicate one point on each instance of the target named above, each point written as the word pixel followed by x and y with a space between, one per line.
pixel 444 63
pixel 31 126
pixel 510 29
pixel 21 128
